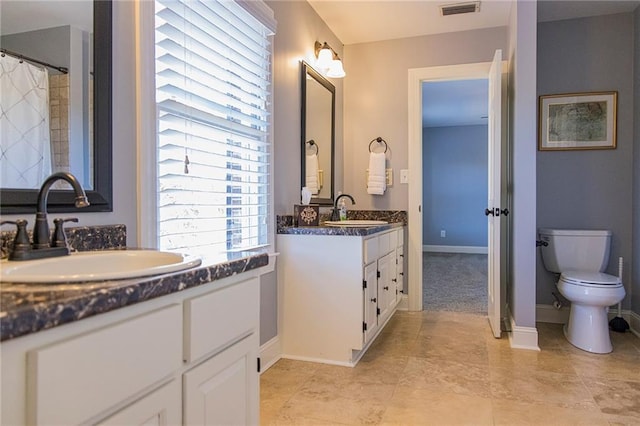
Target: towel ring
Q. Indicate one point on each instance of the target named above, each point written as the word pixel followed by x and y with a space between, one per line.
pixel 379 140
pixel 313 143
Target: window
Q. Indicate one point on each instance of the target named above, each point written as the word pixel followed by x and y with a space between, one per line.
pixel 212 73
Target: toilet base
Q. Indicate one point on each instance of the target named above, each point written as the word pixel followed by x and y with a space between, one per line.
pixel 588 329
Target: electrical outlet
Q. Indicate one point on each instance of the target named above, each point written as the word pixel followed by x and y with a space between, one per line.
pixel 389 176
pixel 443 233
pixel 404 176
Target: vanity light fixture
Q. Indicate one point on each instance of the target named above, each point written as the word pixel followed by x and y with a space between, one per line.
pixel 328 61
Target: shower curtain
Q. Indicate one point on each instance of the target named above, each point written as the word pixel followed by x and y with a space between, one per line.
pixel 25 147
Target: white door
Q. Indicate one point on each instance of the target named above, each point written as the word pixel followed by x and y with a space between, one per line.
pixel 495 210
pixel 418 76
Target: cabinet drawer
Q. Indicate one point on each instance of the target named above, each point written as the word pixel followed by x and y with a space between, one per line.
pixel 71 381
pixel 217 319
pixel 370 250
pixel 384 244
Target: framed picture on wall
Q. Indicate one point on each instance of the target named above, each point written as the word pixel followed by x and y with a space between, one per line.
pixel 577 121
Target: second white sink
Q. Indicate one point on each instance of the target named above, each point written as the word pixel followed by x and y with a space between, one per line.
pixel 96 266
pixel 355 223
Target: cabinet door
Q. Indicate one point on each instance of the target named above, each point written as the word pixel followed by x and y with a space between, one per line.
pixel 400 272
pixel 370 300
pixel 160 408
pixel 386 295
pixel 224 390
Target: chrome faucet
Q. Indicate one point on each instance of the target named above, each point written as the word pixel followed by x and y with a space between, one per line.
pixel 41 227
pixel 335 212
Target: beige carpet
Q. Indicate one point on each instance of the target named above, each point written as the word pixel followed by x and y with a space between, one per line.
pixel 455 282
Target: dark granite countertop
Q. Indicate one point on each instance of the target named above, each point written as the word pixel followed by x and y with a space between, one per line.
pixel 338 230
pixel 28 308
pixel 396 219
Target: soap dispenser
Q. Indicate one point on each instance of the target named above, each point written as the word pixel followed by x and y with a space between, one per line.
pixel 342 207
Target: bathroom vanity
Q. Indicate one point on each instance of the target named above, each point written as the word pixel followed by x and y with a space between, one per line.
pixel 180 348
pixel 338 287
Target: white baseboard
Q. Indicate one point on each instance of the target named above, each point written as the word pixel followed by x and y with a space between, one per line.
pixel 634 323
pixel 270 353
pixel 455 249
pixel 523 337
pixel 403 304
pixel 318 360
pixel 631 317
pixel 547 313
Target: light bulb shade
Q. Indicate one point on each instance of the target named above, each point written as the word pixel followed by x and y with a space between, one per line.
pixel 336 70
pixel 325 57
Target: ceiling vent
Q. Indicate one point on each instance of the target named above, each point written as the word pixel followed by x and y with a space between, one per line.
pixel 459 8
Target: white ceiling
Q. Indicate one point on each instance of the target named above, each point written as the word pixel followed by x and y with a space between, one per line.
pixel 445 103
pixel 361 21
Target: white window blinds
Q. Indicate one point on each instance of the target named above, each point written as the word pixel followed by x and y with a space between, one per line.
pixel 212 96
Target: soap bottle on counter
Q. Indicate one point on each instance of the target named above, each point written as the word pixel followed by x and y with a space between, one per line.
pixel 342 208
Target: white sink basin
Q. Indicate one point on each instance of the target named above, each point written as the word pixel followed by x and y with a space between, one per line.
pixel 96 266
pixel 355 223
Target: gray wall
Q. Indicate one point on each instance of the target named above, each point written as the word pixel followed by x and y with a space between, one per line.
pixel 635 281
pixel 454 169
pixel 376 100
pixel 589 189
pixel 50 45
pixel 521 273
pixel 299 27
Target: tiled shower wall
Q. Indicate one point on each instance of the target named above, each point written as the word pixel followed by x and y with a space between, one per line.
pixel 59 120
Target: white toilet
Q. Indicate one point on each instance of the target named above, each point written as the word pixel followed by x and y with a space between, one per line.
pixel 580 256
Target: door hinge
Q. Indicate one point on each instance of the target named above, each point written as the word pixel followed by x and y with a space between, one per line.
pixel 377 311
pixel 364 284
pixel 378 274
pixel 364 326
pixel 258 364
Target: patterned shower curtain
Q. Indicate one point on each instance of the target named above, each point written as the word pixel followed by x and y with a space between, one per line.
pixel 25 147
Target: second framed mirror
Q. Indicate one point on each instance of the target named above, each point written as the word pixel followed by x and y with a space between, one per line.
pixel 318 135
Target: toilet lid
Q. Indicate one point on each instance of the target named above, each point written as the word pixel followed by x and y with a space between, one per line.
pixel 596 278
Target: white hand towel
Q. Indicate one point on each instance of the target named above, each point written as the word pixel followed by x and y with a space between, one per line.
pixel 311 173
pixel 377 182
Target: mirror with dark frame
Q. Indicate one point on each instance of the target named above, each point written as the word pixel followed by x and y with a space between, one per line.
pixel 318 135
pixel 97 154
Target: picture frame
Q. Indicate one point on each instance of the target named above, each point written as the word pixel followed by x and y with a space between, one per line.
pixel 577 121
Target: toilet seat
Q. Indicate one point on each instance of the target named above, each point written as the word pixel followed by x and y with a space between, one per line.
pixel 590 279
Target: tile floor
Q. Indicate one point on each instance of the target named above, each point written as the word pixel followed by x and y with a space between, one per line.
pixel 445 368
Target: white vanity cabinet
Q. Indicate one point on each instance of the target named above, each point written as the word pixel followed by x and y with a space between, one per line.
pixel 185 358
pixel 336 293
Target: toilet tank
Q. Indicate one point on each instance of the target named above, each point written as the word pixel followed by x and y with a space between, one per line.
pixel 573 249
